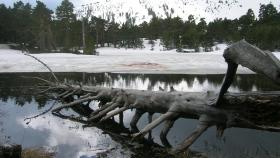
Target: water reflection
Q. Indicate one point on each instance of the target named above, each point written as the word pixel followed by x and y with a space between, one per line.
pixel 21 89
pixel 69 139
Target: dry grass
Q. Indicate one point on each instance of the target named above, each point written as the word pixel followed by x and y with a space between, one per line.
pixel 36 153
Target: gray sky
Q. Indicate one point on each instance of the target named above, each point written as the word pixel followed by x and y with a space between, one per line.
pixel 51 4
pixel 196 7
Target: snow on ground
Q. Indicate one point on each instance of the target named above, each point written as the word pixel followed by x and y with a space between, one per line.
pixel 156 47
pixel 120 60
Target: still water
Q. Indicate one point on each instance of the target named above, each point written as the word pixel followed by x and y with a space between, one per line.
pixel 68 139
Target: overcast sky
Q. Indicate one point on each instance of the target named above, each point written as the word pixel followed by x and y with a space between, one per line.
pixel 52 4
pixel 196 7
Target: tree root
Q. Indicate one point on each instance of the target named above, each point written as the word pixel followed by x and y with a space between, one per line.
pixel 155 123
pixel 113 113
pixel 168 124
pixel 190 139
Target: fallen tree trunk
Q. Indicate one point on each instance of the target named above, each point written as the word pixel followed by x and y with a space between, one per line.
pixel 247 55
pixel 254 110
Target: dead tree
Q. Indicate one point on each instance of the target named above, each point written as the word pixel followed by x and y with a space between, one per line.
pixel 254 110
pixel 122 135
pixel 247 55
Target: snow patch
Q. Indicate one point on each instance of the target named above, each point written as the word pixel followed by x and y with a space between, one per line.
pixel 121 60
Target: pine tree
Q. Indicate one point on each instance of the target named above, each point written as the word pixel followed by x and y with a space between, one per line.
pixel 267 13
pixel 5 25
pixel 112 33
pixel 65 16
pixel 42 27
pixel 24 20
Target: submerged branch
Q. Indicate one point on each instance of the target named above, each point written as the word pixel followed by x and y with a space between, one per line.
pixel 43 113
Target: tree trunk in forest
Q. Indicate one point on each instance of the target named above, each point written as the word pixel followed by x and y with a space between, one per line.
pixel 97 38
pixel 46 40
pixel 50 39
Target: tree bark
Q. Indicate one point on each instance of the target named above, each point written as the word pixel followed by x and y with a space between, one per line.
pixel 254 110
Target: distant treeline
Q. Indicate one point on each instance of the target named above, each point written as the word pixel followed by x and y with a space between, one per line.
pixel 41 29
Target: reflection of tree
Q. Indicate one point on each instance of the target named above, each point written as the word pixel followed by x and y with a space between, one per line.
pixel 216 80
pixel 122 135
pixel 41 101
pixel 247 82
pixel 201 79
pixel 19 89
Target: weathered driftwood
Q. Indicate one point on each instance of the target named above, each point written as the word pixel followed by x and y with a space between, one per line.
pixel 247 55
pixel 261 62
pixel 254 110
pixel 243 110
